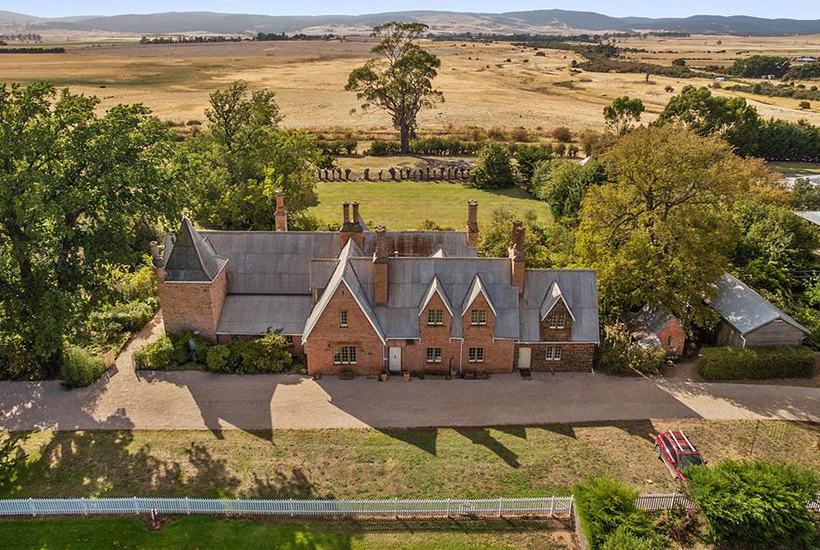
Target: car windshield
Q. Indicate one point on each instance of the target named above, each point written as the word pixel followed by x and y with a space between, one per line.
pixel 690 460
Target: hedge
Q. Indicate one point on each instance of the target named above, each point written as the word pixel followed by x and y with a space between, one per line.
pixel 756 364
pixel 761 503
pixel 606 505
pixel 157 355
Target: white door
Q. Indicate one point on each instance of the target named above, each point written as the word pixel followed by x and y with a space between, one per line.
pixel 524 355
pixel 395 359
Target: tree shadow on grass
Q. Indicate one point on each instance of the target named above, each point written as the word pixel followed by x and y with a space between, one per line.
pixel 423 438
pixel 483 437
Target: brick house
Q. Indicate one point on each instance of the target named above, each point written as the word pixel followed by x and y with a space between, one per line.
pixel 656 326
pixel 370 300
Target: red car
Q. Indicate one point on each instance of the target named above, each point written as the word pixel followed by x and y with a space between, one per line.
pixel 677 452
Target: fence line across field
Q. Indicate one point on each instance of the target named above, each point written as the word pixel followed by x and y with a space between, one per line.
pixel 559 507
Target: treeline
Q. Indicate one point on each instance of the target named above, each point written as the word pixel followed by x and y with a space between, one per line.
pixel 789 141
pixel 31 37
pixel 189 39
pixel 545 38
pixel 32 50
pixel 272 37
pixel 773 66
pixel 778 90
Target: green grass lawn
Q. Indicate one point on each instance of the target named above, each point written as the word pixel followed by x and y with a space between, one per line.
pixel 206 533
pixel 410 463
pixel 405 205
pixel 796 169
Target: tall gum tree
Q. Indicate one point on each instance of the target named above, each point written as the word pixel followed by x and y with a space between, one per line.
pixel 399 78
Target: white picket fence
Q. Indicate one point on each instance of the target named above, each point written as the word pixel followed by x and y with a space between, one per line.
pixel 489 507
pixel 559 507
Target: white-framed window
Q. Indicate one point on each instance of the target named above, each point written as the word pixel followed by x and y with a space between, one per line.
pixel 478 317
pixel 552 353
pixel 434 355
pixel 558 320
pixel 343 318
pixel 435 317
pixel 476 355
pixel 344 355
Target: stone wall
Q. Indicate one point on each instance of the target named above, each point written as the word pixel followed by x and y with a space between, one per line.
pixel 574 357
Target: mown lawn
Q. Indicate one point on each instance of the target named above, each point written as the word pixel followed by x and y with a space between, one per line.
pixel 406 204
pixel 411 463
pixel 203 533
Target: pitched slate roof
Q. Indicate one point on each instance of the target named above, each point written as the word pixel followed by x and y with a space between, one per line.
pixel 191 257
pixel 344 274
pixel 409 281
pixel 578 288
pixel 435 288
pixel 252 314
pixel 422 243
pixel 554 295
pixel 651 319
pixel 745 309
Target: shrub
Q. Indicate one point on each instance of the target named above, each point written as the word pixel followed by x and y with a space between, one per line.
pixel 80 368
pixel 218 358
pixel 620 354
pixel 276 356
pixel 679 62
pixel 728 363
pixel 139 285
pixel 605 506
pixel 560 150
pixel 157 355
pixel 496 134
pixel 805 105
pixel 494 168
pixel 756 502
pixel 562 134
pixel 623 539
pixel 528 156
pixel 384 148
pixel 129 316
pixel 182 354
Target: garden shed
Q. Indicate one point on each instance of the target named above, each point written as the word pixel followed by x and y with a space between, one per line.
pixel 749 320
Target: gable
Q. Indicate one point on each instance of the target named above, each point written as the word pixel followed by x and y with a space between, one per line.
pixel 554 297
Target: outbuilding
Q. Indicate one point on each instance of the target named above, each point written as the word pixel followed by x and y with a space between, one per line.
pixel 657 326
pixel 749 320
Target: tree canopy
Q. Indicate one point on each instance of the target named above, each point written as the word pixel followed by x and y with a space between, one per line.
pixel 399 78
pixel 623 114
pixel 660 232
pixel 74 186
pixel 728 117
pixel 242 158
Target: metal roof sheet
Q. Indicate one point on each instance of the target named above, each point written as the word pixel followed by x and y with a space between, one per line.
pixel 745 309
pixel 579 289
pixel 191 257
pixel 812 216
pixel 252 314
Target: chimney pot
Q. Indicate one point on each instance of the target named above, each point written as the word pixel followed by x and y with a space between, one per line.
pixel 472 223
pixel 356 217
pixel 346 211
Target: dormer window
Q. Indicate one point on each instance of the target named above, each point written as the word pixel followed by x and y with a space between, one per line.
pixel 435 317
pixel 557 320
pixel 478 317
pixel 343 319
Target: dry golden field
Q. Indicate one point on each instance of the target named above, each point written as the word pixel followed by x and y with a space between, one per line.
pixel 480 86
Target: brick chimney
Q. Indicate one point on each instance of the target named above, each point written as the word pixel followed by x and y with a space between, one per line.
pixel 380 264
pixel 280 217
pixel 472 223
pixel 356 217
pixel 517 256
pixel 351 228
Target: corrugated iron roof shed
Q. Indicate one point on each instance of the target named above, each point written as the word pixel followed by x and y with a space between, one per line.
pixel 745 309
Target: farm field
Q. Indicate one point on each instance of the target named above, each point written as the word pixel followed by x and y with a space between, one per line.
pixel 509 461
pixel 407 204
pixel 203 533
pixel 484 85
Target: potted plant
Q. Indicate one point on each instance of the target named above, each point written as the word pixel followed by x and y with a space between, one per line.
pixel 406 375
pixel 383 375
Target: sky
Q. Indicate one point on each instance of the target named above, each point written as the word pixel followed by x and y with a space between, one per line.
pixel 794 9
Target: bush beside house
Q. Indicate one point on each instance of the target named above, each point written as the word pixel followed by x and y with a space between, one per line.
pixel 727 363
pixel 267 354
pixel 79 367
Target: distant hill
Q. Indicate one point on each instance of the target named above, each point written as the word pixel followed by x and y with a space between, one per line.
pixel 536 21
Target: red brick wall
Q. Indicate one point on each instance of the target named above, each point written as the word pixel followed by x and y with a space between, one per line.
pixel 673 338
pixel 192 306
pixel 498 354
pixel 359 332
pixel 557 334
pixel 574 357
pixel 414 357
